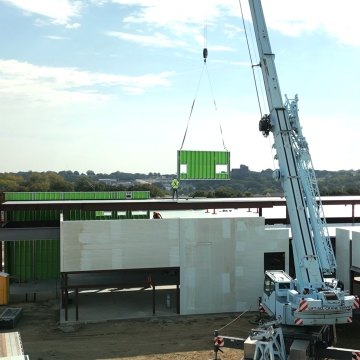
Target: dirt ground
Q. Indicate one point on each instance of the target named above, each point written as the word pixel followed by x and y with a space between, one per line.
pixel 162 338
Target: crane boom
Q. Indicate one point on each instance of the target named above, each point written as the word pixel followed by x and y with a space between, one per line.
pixel 310 299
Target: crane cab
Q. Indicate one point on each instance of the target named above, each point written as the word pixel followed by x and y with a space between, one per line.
pixel 278 281
pixel 277 284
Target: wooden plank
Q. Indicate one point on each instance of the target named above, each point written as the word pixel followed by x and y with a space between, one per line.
pixel 10 344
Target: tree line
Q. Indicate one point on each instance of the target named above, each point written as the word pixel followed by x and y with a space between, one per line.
pixel 243 183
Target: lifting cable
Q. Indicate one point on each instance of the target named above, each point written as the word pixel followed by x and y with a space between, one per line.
pixel 205 55
pixel 253 72
pixel 233 320
pixel 251 60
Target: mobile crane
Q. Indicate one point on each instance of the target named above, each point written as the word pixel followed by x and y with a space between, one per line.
pixel 314 297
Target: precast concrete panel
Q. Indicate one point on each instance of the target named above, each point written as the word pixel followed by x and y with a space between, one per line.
pixel 113 244
pixel 355 259
pixel 343 256
pixel 254 241
pixel 221 260
pixel 207 256
pixel 222 263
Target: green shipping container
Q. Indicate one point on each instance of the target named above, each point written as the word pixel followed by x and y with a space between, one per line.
pixel 203 165
pixel 90 195
pixel 32 260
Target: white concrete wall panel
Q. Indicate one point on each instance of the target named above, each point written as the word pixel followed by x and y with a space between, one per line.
pixel 221 260
pixel 355 260
pixel 222 263
pixel 207 257
pixel 342 250
pixel 119 244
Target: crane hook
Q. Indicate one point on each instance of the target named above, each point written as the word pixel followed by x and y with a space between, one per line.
pixel 205 54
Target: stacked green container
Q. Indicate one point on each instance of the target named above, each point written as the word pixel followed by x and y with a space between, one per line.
pixel 90 195
pixel 40 259
pixel 32 260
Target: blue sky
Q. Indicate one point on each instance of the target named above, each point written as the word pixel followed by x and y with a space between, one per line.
pixel 107 85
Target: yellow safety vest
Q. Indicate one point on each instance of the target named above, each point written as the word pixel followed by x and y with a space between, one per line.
pixel 175 184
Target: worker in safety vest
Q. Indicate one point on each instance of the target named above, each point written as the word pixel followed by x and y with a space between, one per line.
pixel 175 187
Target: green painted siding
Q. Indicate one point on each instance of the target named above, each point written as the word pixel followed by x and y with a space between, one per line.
pixel 32 260
pixel 54 215
pixel 33 215
pixel 91 195
pixel 203 165
pixel 77 214
pixel 40 259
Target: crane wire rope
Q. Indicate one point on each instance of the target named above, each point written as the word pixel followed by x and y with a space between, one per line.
pixel 205 55
pixel 253 72
pixel 251 59
pixel 192 108
pixel 233 320
pixel 215 106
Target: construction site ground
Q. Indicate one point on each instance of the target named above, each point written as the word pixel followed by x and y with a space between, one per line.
pixel 154 337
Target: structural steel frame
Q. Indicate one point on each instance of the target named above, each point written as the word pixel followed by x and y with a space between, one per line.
pixel 79 280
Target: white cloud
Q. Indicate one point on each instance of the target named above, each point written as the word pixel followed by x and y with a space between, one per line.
pixel 55 37
pixel 232 31
pixel 337 19
pixel 72 26
pixel 156 39
pixel 170 24
pixel 175 14
pixel 60 12
pixel 54 85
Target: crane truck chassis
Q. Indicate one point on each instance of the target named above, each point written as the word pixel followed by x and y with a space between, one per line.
pixel 308 307
pixel 273 341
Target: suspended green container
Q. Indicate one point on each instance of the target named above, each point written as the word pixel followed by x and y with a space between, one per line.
pixel 203 165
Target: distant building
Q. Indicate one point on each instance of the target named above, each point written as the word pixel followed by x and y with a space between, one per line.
pixel 112 182
pixel 142 182
pixel 238 173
